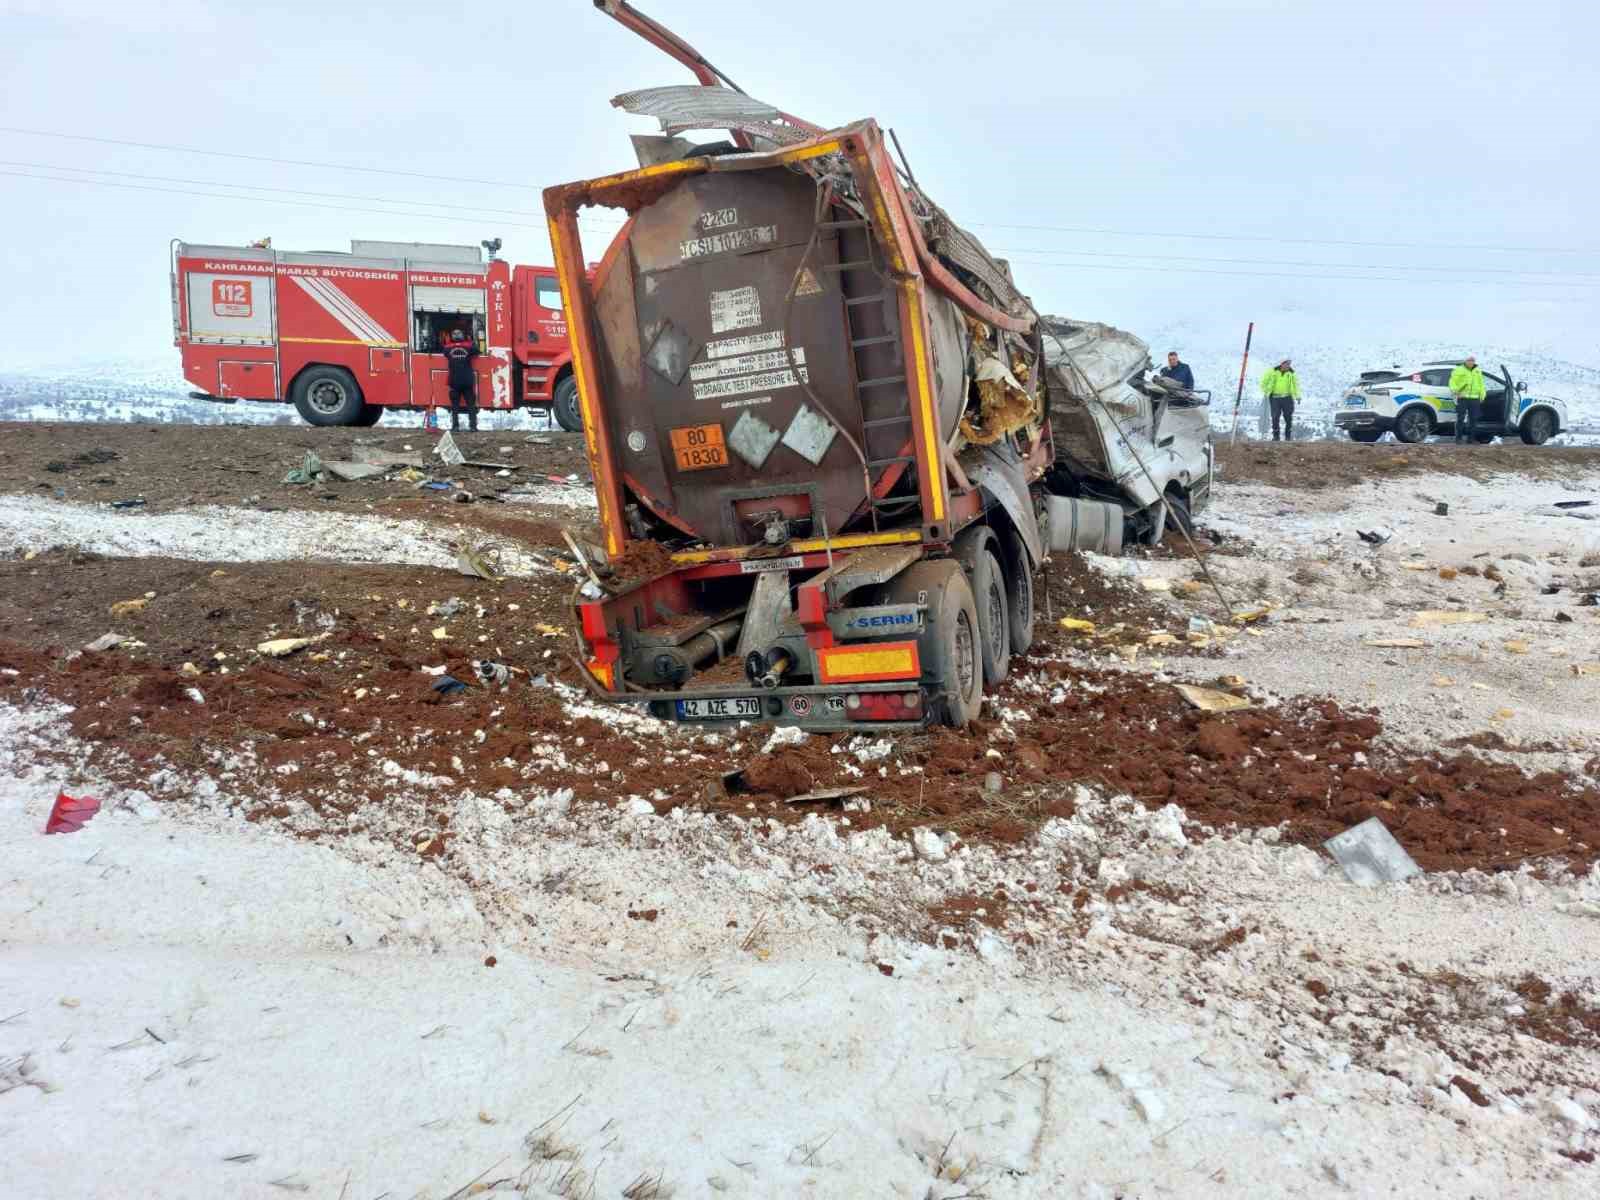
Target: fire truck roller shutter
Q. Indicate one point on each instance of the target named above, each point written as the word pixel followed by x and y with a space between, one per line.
pixel 435 311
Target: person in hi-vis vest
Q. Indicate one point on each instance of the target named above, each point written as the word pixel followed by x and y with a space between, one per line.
pixel 1279 390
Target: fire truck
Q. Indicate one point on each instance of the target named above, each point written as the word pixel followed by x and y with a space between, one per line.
pixel 344 336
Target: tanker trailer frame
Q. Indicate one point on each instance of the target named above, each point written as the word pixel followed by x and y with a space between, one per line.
pixel 825 405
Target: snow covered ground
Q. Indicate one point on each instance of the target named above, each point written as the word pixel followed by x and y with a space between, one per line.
pixel 692 1005
pixel 217 534
pixel 1510 555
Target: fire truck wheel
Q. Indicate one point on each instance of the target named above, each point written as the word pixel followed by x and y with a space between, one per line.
pixel 1019 589
pixel 979 553
pixel 952 665
pixel 328 396
pixel 371 414
pixel 568 415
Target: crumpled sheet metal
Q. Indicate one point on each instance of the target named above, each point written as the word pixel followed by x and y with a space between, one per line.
pixel 961 249
pixel 691 106
pixel 1086 359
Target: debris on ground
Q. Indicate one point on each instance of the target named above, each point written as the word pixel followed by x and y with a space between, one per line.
pixel 106 641
pixel 1369 854
pixel 352 472
pixel 282 647
pixel 1211 700
pixel 309 471
pixel 70 813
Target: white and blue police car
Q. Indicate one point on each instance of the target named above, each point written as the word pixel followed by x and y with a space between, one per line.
pixel 1415 404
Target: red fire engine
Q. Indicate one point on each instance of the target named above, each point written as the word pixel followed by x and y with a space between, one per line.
pixel 345 336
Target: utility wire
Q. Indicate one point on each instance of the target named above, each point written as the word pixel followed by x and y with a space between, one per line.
pixel 1099 232
pixel 1494 283
pixel 260 187
pixel 292 162
pixel 1252 237
pixel 383 212
pixel 1282 262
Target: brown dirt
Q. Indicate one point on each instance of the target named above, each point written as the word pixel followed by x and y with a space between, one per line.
pixel 171 466
pixel 1294 764
pixel 1315 465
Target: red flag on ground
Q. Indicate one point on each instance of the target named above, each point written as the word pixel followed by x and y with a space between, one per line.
pixel 69 813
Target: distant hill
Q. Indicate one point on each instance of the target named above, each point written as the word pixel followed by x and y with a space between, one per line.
pixel 1326 371
pixel 139 393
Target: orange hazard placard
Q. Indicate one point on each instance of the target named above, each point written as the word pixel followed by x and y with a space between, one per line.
pixel 697 447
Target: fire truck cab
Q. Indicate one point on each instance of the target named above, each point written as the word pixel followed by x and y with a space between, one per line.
pixel 344 336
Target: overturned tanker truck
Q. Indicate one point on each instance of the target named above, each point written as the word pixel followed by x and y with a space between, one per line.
pixel 831 440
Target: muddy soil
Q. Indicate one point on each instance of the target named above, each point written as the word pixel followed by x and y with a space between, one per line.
pixel 171 466
pixel 310 725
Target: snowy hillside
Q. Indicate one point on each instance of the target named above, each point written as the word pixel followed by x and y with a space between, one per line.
pixel 1325 371
pixel 146 392
pixel 155 392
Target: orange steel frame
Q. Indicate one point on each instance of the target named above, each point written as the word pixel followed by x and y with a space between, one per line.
pixel 911 264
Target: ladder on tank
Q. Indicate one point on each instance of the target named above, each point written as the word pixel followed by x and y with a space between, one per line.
pixel 864 337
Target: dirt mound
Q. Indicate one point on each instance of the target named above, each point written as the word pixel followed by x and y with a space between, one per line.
pixel 1310 466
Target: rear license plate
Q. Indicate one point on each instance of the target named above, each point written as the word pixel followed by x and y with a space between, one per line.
pixel 698 447
pixel 719 710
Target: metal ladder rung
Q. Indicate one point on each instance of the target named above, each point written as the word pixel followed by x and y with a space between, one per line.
pixel 881 382
pixel 882 340
pixel 852 302
pixel 880 422
pixel 889 462
pixel 855 264
pixel 858 223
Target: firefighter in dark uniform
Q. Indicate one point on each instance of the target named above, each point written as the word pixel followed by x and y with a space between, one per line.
pixel 459 351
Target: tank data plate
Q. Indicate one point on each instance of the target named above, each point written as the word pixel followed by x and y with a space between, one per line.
pixel 699 447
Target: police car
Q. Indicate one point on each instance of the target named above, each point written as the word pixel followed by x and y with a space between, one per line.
pixel 1415 404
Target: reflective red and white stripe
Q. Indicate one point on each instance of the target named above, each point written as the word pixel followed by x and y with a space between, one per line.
pixel 346 311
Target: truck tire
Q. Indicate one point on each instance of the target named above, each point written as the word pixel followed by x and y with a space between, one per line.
pixel 1019 589
pixel 1413 425
pixel 327 396
pixel 977 549
pixel 568 413
pixel 948 645
pixel 1180 515
pixel 371 414
pixel 1365 435
pixel 1538 427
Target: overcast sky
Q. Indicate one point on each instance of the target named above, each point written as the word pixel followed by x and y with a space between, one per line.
pixel 1212 124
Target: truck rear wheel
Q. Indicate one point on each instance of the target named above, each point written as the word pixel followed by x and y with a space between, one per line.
pixel 1019 589
pixel 327 396
pixel 978 551
pixel 371 414
pixel 568 413
pixel 948 644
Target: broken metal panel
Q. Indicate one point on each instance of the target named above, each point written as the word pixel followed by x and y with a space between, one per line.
pixel 1369 854
pixel 690 106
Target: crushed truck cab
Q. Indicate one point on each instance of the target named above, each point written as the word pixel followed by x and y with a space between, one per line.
pixel 819 419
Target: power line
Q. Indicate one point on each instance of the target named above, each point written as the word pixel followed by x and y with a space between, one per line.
pixel 1252 237
pixel 292 162
pixel 258 187
pixel 1492 283
pixel 382 212
pixel 1096 231
pixel 1282 262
